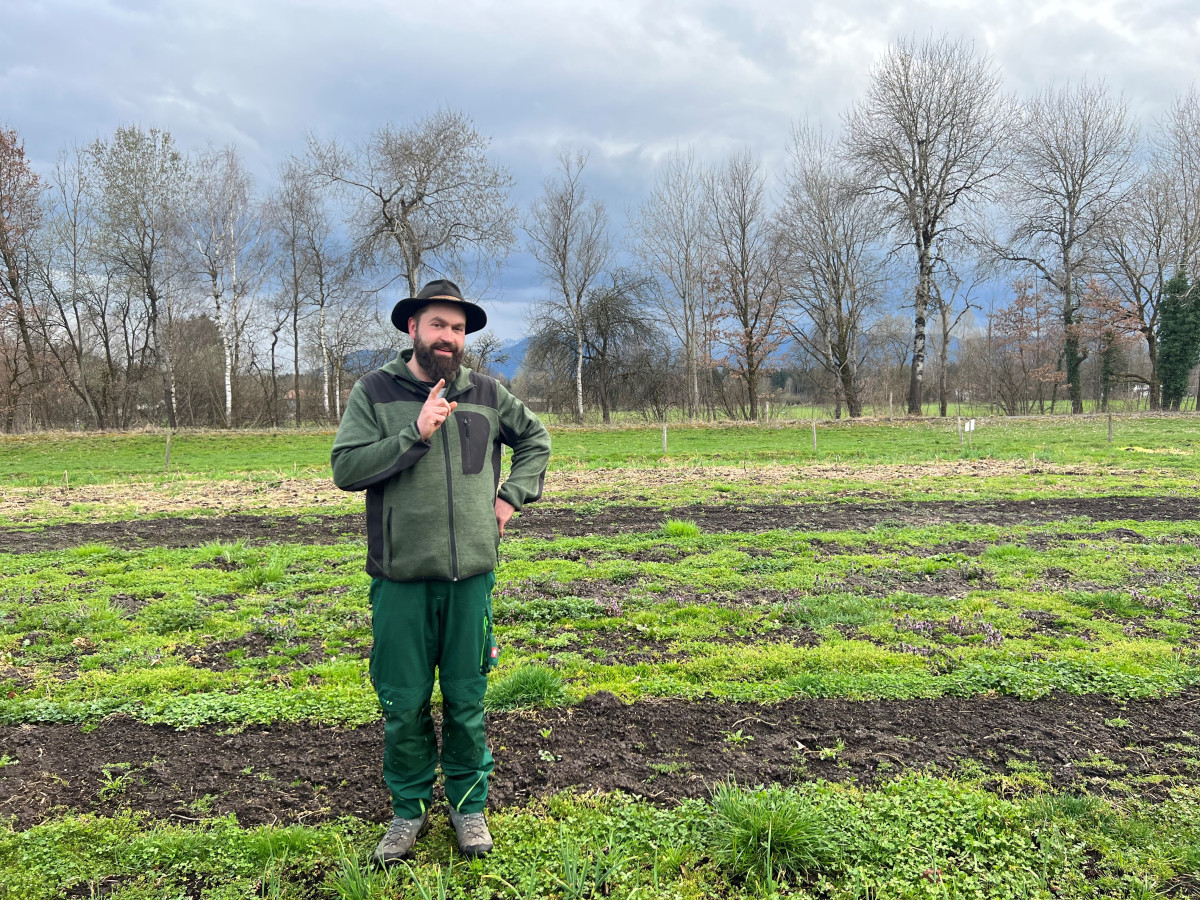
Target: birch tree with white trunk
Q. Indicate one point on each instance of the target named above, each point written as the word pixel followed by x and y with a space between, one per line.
pixel 929 138
pixel 670 227
pixel 568 236
pixel 229 249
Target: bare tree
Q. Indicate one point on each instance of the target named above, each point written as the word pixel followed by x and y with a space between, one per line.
pixel 748 256
pixel 21 192
pixel 229 249
pixel 1141 246
pixel 75 295
pixel 293 203
pixel 670 228
pixel 485 352
pixel 329 285
pixel 837 267
pixel 1177 158
pixel 342 328
pixel 425 198
pixel 568 236
pixel 617 340
pixel 1072 168
pixel 1155 231
pixel 141 185
pixel 929 138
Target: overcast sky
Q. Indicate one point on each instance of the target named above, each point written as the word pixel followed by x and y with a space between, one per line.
pixel 627 80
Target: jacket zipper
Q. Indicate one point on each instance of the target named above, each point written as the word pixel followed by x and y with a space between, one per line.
pixel 450 505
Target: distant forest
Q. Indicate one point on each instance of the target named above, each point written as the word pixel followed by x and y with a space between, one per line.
pixel 143 283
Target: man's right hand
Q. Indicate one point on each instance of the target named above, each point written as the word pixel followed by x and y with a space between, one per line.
pixel 434 412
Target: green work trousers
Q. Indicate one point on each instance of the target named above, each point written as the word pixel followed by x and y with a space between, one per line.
pixel 420 626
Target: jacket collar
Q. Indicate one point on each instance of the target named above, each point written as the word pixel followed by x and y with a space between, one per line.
pixel 398 368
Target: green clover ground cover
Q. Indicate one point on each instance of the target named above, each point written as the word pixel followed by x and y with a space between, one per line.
pixel 228 633
pixel 236 634
pixel 916 837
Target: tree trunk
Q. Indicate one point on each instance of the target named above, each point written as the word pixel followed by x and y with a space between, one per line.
pixel 1155 382
pixel 1071 355
pixel 917 373
pixel 693 375
pixel 324 364
pixel 296 360
pixel 752 386
pixel 578 372
pixel 162 352
pixel 337 393
pixel 274 382
pixel 943 361
pixel 226 353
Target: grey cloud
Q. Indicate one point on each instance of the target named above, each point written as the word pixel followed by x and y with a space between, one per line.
pixel 628 79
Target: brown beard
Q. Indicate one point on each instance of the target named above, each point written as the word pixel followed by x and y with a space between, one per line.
pixel 434 366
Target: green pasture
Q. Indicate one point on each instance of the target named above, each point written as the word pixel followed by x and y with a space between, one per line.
pixel 1162 442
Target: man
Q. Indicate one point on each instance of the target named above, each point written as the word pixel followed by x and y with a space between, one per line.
pixel 422 436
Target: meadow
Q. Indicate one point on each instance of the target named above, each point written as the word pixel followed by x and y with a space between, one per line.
pixel 899 665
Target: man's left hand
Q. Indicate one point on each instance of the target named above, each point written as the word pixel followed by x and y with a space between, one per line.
pixel 504 512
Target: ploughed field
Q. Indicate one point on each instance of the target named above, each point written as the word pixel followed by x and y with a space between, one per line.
pixel 894 667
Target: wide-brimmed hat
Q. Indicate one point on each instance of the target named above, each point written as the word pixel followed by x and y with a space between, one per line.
pixel 440 291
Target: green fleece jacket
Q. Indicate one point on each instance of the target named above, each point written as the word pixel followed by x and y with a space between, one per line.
pixel 431 504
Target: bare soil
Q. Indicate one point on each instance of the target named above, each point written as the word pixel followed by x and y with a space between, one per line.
pixel 564 521
pixel 662 750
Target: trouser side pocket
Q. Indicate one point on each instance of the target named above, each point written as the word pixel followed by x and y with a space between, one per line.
pixel 490 654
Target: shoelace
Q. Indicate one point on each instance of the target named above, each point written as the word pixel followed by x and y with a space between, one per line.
pixel 474 827
pixel 401 830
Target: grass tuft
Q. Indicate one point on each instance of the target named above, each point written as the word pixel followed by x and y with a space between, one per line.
pixel 680 528
pixel 528 686
pixel 765 834
pixel 256 577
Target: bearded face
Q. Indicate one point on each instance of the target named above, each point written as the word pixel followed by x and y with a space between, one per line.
pixel 437 365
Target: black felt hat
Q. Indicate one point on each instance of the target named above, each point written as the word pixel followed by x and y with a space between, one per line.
pixel 440 291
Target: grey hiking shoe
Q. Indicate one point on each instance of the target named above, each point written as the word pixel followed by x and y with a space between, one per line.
pixel 398 842
pixel 474 839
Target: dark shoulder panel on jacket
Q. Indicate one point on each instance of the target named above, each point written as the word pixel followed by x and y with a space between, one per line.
pixel 383 387
pixel 484 390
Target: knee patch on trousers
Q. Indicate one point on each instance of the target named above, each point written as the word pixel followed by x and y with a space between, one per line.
pixel 396 700
pixel 464 690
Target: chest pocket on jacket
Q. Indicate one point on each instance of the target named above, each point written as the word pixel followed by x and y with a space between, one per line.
pixel 474 438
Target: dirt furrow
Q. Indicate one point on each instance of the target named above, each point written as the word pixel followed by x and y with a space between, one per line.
pixel 562 521
pixel 661 750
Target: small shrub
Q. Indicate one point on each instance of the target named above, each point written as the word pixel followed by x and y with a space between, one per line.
pixel 680 528
pixel 768 833
pixel 529 686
